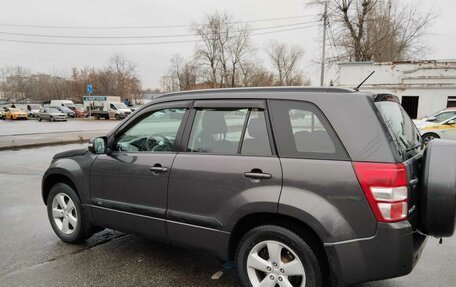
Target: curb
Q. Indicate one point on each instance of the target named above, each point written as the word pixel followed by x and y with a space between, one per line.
pixel 42 144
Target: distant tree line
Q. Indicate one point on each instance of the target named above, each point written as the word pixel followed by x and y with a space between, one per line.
pixel 226 57
pixel 118 78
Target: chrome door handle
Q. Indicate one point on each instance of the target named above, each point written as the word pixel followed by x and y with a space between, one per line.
pixel 257 175
pixel 158 169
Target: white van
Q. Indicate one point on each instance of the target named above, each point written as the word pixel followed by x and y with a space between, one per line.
pixel 62 103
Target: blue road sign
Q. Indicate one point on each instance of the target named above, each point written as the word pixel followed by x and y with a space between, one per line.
pixel 89 88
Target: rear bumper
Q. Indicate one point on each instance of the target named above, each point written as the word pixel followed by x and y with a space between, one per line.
pixel 392 252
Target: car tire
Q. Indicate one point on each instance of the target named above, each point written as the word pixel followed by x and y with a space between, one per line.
pixel 66 215
pixel 438 189
pixel 38 118
pixel 117 117
pixel 428 137
pixel 52 119
pixel 97 117
pixel 255 264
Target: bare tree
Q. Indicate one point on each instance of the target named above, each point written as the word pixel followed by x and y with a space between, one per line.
pixel 223 47
pixel 184 72
pixel 123 74
pixel 285 61
pixel 15 83
pixel 380 30
pixel 208 50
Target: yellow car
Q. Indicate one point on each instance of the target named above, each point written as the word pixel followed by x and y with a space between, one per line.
pixel 443 130
pixel 14 114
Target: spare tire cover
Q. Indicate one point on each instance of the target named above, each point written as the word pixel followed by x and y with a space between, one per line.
pixel 438 198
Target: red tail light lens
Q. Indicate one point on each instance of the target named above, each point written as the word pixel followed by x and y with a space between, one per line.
pixel 385 187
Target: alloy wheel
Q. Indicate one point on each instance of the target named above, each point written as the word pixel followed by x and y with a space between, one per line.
pixel 272 263
pixel 64 213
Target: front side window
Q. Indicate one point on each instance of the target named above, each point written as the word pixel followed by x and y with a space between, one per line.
pixel 156 132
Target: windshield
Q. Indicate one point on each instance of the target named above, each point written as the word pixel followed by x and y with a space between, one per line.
pixel 15 110
pixel 120 106
pixel 405 135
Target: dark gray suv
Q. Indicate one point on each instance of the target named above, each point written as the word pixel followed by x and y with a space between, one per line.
pixel 299 186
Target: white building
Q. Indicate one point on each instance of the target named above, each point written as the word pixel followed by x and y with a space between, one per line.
pixel 424 87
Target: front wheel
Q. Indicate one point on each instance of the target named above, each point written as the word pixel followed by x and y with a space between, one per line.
pixel 38 118
pixel 275 256
pixel 66 215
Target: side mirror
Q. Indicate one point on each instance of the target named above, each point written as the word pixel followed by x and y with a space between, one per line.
pixel 431 119
pixel 98 145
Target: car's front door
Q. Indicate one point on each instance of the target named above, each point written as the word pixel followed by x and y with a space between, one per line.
pixel 227 169
pixel 129 184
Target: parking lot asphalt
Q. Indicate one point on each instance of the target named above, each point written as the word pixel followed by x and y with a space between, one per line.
pixel 32 255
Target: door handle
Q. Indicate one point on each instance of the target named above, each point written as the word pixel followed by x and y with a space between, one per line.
pixel 257 175
pixel 158 169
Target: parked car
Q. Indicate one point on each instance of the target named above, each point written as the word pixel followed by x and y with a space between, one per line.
pixel 50 114
pixel 79 112
pixel 118 110
pixel 33 109
pixel 67 111
pixel 438 117
pixel 14 114
pixel 441 130
pixel 2 112
pixel 274 179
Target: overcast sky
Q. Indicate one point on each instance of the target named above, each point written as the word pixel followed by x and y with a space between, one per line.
pixel 153 60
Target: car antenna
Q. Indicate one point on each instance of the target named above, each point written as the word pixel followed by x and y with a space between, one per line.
pixel 367 78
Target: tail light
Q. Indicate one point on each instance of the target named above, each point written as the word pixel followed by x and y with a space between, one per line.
pixel 385 187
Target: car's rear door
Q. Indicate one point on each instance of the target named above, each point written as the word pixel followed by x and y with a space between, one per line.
pixel 226 169
pixel 129 184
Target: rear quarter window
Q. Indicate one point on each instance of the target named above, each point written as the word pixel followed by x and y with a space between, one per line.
pixel 302 131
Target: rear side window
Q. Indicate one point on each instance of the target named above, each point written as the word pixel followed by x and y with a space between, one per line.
pixel 302 131
pixel 229 132
pixel 217 131
pixel 405 135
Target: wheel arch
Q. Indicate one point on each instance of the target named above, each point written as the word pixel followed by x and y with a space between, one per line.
pixel 52 179
pixel 299 227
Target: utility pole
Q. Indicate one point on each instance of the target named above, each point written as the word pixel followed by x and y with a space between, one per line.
pixel 325 22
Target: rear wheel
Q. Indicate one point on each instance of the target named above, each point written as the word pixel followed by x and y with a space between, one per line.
pixel 52 119
pixel 275 256
pixel 429 136
pixel 66 215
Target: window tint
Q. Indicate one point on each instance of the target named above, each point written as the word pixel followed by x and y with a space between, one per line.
pixel 155 133
pixel 256 140
pixel 217 131
pixel 302 131
pixel 405 136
